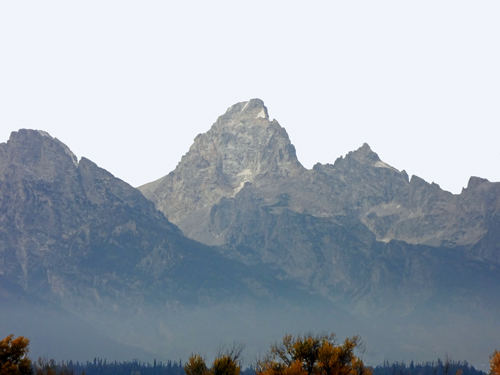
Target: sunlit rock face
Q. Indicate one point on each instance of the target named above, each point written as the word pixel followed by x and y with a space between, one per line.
pixel 57 213
pixel 355 246
pixel 395 250
pixel 239 181
pixel 84 255
pixel 242 147
pixel 72 233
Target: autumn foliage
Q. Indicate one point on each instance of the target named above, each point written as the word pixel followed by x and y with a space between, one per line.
pixel 301 355
pixel 13 356
pixel 495 363
pixel 227 362
pixel 196 365
pixel 313 355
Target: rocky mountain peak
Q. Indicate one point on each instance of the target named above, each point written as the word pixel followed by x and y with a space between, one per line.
pixel 54 210
pixel 31 151
pixel 365 155
pixel 475 182
pixel 245 111
pixel 246 144
pixel 243 146
pixel 247 160
pixel 372 246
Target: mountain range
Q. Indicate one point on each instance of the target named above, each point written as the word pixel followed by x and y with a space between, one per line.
pixel 241 242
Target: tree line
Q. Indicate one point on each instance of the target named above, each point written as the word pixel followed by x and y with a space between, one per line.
pixel 301 355
pixel 102 367
pixel 448 367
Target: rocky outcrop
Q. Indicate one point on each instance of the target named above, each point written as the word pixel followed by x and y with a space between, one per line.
pixel 356 242
pixel 246 163
pixel 73 234
pixel 395 207
pixel 402 254
pixel 242 147
pixel 56 212
pixel 80 248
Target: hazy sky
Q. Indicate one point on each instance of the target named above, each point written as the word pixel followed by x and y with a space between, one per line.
pixel 129 84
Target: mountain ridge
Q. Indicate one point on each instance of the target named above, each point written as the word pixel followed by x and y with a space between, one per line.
pixel 388 200
pixel 77 237
pixel 355 246
pixel 358 232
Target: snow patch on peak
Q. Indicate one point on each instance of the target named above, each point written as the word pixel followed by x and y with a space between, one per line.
pixel 246 175
pixel 72 156
pixel 245 172
pixel 68 152
pixel 262 114
pixel 44 134
pixel 381 164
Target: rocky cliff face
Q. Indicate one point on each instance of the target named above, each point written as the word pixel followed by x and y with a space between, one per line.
pixel 241 187
pixel 242 147
pixel 56 212
pixel 411 210
pixel 86 243
pixel 394 259
pixel 399 252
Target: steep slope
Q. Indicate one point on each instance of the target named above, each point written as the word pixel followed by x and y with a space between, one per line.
pixel 79 239
pixel 398 252
pixel 56 212
pixel 242 147
pixel 411 210
pixel 245 148
pixel 242 176
pixel 355 247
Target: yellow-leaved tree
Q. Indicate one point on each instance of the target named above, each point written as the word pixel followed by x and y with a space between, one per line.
pixel 13 356
pixel 227 362
pixel 313 355
pixel 495 363
pixel 196 365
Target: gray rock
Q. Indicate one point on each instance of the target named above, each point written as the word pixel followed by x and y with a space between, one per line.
pixel 396 252
pixel 242 178
pixel 242 147
pixel 355 246
pixel 95 250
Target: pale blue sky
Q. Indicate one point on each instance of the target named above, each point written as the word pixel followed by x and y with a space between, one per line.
pixel 129 84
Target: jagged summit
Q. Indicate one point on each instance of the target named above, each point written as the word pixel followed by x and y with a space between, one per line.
pixel 49 203
pixel 246 156
pixel 250 110
pixel 75 237
pixel 366 155
pixel 243 146
pixel 245 142
pixel 475 182
pixel 39 151
pixel 366 241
